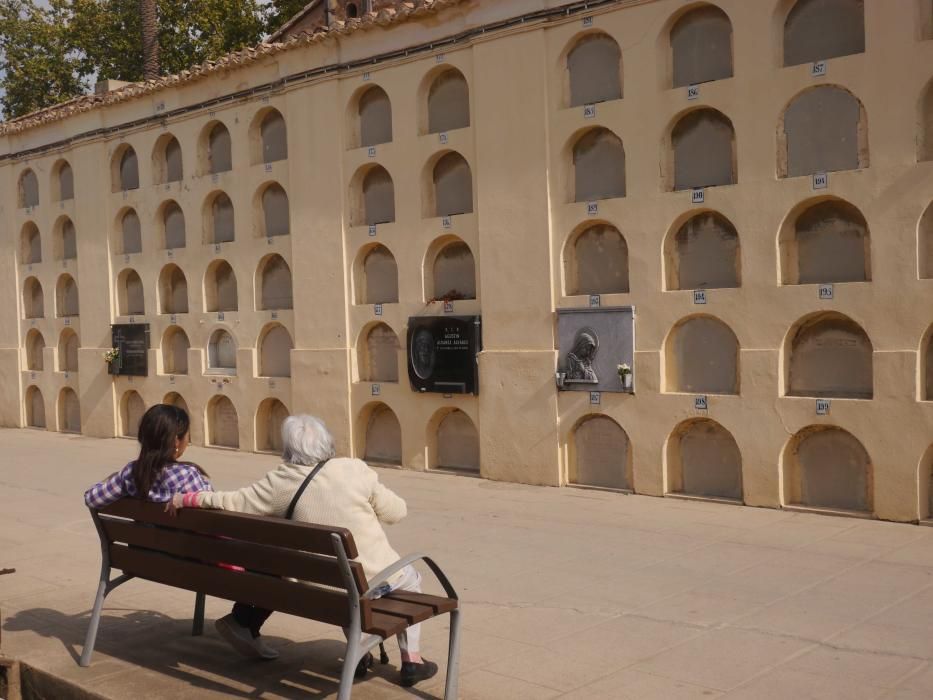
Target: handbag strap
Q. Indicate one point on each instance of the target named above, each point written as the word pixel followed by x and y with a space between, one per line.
pixel 301 489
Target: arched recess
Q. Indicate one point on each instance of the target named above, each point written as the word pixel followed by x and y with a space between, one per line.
pixel 925 124
pixel 274 283
pixel 598 166
pixel 30 244
pixel 600 454
pixel 455 441
pixel 65 239
pixel 703 459
pixel 373 197
pixel 35 348
pixel 925 357
pixel 701 356
pixel 377 354
pixel 28 189
pixel 173 290
pixel 33 299
pixel 66 296
pixel 124 169
pixel 216 149
pixel 702 146
pixel 63 181
pixel 69 411
pixel 823 241
pixel 131 233
pixel 167 161
pixel 373 117
pixel 220 288
pixel 68 345
pixel 703 253
pixel 816 30
pixel 269 418
pixel 223 425
pixel 925 244
pixel 827 467
pixel 596 261
pixel 925 474
pixel 276 218
pixel 132 408
pixel 448 101
pixel 221 353
pixel 701 46
pixel 275 347
pixel 823 129
pixel 173 398
pixel 376 276
pixel 35 408
pixel 218 219
pixel 130 296
pixel 269 136
pixel 175 345
pixel 451 270
pixel 829 356
pixel 594 70
pixel 174 233
pixel 452 186
pixel 383 435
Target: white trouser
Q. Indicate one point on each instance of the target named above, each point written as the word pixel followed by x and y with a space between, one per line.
pixel 409 641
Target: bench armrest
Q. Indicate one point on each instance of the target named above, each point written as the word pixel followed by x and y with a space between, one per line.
pixel 384 575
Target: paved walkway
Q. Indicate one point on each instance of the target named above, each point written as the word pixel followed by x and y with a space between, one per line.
pixel 567 593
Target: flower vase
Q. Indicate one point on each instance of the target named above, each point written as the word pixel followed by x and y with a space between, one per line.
pixel 627 381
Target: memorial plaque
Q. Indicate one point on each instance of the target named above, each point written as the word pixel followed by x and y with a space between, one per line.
pixel 442 354
pixel 593 343
pixel 132 340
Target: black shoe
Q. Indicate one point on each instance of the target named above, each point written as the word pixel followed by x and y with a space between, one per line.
pixel 415 673
pixel 363 666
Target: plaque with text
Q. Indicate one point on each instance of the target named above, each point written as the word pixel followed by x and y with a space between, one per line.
pixel 442 354
pixel 132 340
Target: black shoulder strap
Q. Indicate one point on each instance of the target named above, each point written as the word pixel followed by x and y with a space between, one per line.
pixel 301 489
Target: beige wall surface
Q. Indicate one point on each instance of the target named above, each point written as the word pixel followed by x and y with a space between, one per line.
pixel 761 438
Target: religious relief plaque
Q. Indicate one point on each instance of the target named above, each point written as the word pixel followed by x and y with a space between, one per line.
pixel 442 353
pixel 132 340
pixel 595 344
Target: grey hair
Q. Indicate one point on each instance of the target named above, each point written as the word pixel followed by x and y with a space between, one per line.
pixel 306 440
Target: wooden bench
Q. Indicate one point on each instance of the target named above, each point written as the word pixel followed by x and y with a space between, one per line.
pixel 291 567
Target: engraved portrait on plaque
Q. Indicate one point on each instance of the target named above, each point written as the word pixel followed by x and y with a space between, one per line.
pixel 580 359
pixel 422 353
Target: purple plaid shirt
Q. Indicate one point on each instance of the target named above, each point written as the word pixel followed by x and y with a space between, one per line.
pixel 175 478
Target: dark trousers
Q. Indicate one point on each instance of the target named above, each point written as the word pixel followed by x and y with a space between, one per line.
pixel 250 617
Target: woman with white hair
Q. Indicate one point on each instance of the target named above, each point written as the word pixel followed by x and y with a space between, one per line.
pixel 342 492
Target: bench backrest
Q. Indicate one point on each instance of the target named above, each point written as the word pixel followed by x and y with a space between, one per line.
pixel 290 567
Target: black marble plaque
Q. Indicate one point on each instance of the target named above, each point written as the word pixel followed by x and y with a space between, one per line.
pixel 132 340
pixel 442 354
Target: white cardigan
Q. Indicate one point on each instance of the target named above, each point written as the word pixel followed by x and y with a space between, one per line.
pixel 345 493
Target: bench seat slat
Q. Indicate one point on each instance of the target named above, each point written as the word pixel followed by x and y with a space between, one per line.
pixel 412 613
pixel 439 604
pixel 385 625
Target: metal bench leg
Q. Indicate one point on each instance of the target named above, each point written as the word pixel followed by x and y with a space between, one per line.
pixel 91 637
pixel 453 657
pixel 197 625
pixel 351 658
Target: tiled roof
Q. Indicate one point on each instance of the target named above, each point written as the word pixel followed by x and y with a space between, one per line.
pixel 238 59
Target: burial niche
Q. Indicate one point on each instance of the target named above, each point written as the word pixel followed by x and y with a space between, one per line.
pixel 827 467
pixel 830 357
pixel 66 247
pixel 274 137
pixel 173 224
pixel 31 244
pixel 383 437
pixel 132 408
pixel 378 281
pixel 131 236
pixel 275 347
pixel 453 186
pixel 220 291
pixel 816 30
pixel 378 197
pixel 35 346
pixel 131 298
pixel 219 156
pixel 126 170
pixel 454 272
pixel 925 243
pixel 28 189
pixel 221 353
pixel 704 460
pixel 223 428
pixel 457 443
pixel 275 214
pixel 701 46
pixel 703 142
pixel 69 411
pixel 823 130
pixel 375 117
pixel 33 300
pixel 827 242
pixel 269 419
pixel 275 283
pixel 596 262
pixel 702 357
pixel 172 165
pixel 448 102
pixel 594 66
pixel 704 254
pixel 65 182
pixel 601 454
pixel 173 398
pixel 221 224
pixel 926 357
pixel 66 296
pixel 173 290
pixel 35 408
pixel 175 346
pixel 598 166
pixel 379 355
pixel 68 351
pixel 925 137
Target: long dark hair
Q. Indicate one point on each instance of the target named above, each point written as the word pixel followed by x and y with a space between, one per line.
pixel 160 426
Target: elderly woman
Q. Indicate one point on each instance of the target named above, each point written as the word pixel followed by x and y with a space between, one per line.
pixel 343 493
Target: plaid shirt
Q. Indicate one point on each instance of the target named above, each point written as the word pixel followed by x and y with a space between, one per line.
pixel 175 478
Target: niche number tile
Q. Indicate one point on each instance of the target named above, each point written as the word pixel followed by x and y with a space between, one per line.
pixel 445 222
pixel 448 307
pixel 67 321
pixel 371 152
pixel 377 309
pixel 268 167
pixel 217 247
pixel 818 69
pixel 220 315
pixel 822 407
pixel 587 21
pixel 274 315
pixel 376 390
pixel 366 75
pixel 372 229
pixel 589 111
pixel 595 398
pixel 820 181
pixel 594 300
pixel 700 403
pixel 173 319
pixel 826 291
pixel 699 296
pixel 171 379
pixel 592 208
pixel 272 384
pixel 698 195
pixel 693 92
pixel 170 253
pixel 440 58
pixel 443 138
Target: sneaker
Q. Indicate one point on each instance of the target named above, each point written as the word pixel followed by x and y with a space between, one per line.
pixel 415 673
pixel 363 666
pixel 241 639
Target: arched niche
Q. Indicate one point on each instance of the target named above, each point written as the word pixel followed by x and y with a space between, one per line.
pixel 131 298
pixel 452 185
pixel 703 149
pixel 378 354
pixel 223 425
pixel 35 348
pixel 598 166
pixel 270 416
pixel 69 411
pixel 173 398
pixel 376 276
pixel 30 244
pixel 275 347
pixel 823 129
pixel 594 70
pixel 374 115
pixel 28 189
pixel 925 244
pixel 131 234
pixel 35 408
pixel 174 234
pixel 33 299
pixel 167 160
pixel 925 137
pixel 276 219
pixel 217 149
pixel 383 436
pixel 63 181
pixel 926 366
pixel 68 345
pixel 703 253
pixel 925 474
pixel 701 46
pixel 274 283
pixel 273 136
pixel 703 459
pixel 456 442
pixel 376 197
pixel 827 467
pixel 66 240
pixel 600 454
pixel 221 353
pixel 220 289
pixel 125 169
pixel 701 356
pixel 826 241
pixel 175 345
pixel 132 408
pixel 816 30
pixel 829 356
pixel 453 270
pixel 448 102
pixel 219 219
pixel 66 296
pixel 173 290
pixel 596 261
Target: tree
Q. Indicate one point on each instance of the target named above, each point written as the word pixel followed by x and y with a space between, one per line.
pixel 149 21
pixel 280 11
